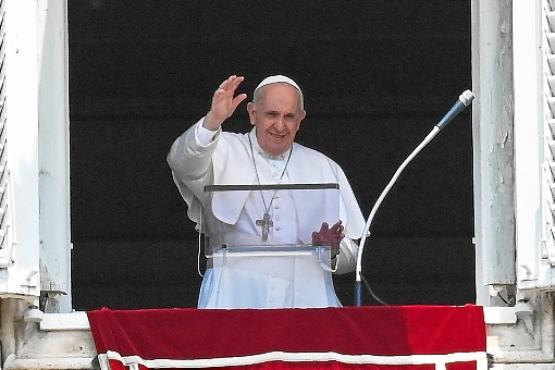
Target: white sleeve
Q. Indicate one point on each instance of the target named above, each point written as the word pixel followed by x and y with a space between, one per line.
pixel 346 260
pixel 205 136
pixel 190 161
pixel 191 165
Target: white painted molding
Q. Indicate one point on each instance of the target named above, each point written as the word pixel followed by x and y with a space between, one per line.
pixel 500 315
pixel 64 321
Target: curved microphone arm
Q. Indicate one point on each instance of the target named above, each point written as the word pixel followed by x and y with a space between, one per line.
pixel 464 101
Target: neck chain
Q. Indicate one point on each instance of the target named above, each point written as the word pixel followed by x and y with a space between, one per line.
pixel 266 222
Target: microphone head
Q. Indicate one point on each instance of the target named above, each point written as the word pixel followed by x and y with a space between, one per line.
pixel 466 97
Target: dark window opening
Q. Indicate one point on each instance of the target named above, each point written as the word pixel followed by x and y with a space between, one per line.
pixel 376 75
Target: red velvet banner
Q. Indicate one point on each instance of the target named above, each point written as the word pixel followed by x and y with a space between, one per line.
pixel 392 337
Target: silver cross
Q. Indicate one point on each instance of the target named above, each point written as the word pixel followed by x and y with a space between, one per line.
pixel 265 223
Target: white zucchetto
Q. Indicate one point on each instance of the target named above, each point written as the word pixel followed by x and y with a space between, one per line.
pixel 281 79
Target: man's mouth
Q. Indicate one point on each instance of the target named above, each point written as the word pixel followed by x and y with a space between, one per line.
pixel 278 136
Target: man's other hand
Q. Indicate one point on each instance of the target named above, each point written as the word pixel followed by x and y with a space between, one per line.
pixel 331 236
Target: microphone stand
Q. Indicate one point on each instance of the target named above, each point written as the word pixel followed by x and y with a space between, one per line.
pixel 464 101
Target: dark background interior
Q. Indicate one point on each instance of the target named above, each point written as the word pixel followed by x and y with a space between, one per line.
pixel 377 75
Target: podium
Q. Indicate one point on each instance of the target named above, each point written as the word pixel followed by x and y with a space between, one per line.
pixel 267 258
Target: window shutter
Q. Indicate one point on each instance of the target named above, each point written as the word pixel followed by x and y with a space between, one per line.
pixel 6 221
pixel 534 73
pixel 19 205
pixel 548 184
pixel 534 127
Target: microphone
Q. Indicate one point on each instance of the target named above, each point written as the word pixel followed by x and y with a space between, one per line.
pixel 464 101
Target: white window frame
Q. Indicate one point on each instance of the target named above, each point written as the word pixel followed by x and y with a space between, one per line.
pixel 492 139
pixel 529 139
pixel 54 154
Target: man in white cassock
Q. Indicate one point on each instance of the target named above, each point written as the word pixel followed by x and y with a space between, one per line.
pixel 205 155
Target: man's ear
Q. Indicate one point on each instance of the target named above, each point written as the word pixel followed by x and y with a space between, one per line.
pixel 251 110
pixel 302 116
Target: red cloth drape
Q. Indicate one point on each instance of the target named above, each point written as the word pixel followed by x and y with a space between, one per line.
pixel 330 338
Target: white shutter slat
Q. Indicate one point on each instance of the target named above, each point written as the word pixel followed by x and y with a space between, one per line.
pixel 551 40
pixel 551 83
pixel 551 104
pixel 551 124
pixel 551 62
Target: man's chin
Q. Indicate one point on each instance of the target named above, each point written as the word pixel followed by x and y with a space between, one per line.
pixel 276 148
pixel 277 151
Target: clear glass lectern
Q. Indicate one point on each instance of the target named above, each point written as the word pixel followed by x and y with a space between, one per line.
pixel 263 255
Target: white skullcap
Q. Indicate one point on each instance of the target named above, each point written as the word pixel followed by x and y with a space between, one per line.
pixel 280 79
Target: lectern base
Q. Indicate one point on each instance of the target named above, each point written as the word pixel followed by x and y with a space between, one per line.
pixel 289 279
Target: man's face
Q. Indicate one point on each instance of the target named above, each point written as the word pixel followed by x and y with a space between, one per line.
pixel 277 116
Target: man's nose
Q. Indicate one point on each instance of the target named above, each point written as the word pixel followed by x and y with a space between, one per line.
pixel 280 123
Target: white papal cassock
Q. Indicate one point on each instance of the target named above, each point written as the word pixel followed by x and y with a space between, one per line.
pixel 201 157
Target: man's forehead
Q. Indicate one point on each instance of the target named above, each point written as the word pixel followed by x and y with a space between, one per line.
pixel 278 96
pixel 278 84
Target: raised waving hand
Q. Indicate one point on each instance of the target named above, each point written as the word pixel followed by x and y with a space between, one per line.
pixel 224 102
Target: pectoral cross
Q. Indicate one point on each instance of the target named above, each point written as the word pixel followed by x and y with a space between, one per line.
pixel 265 223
